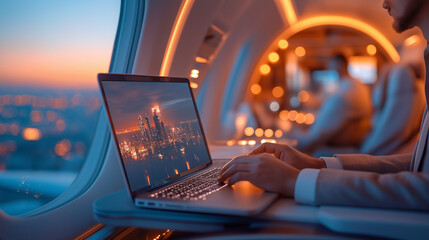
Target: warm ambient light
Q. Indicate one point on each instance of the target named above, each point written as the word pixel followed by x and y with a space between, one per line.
pixel 269 133
pixel 274 106
pixel 283 44
pixel 292 115
pixel 273 57
pixel 230 142
pixel 194 73
pixel 256 89
pixel 300 51
pixel 259 132
pixel 242 142
pixel 346 22
pixel 251 142
pixel 411 40
pixel 287 11
pixel 300 118
pixel 278 133
pixel 278 92
pixel 303 96
pixel 268 141
pixel 179 23
pixel 31 134
pixel 371 50
pixel 194 85
pixel 309 118
pixel 265 69
pixel 283 115
pixel 249 131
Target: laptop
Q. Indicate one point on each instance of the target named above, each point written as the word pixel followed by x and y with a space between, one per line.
pixel 163 150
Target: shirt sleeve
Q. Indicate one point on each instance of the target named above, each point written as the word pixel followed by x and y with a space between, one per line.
pixel 305 186
pixel 333 162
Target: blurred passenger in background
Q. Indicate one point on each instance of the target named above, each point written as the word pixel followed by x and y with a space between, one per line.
pixel 344 118
pixel 399 102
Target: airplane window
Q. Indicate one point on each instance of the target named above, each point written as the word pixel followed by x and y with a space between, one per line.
pixel 51 53
pixel 293 80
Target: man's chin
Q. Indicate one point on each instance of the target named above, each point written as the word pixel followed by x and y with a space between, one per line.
pixel 399 28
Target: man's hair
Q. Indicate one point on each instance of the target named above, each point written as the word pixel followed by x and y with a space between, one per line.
pixel 340 58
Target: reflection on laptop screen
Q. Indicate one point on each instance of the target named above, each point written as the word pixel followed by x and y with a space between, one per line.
pixel 157 129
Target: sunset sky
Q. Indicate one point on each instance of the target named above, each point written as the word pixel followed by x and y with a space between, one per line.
pixel 59 44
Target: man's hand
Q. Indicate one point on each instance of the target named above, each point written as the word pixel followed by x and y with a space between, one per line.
pixel 290 156
pixel 264 171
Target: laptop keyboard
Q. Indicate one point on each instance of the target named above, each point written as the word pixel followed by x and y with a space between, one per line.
pixel 195 188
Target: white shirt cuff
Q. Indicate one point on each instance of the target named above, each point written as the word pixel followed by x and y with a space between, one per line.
pixel 333 162
pixel 305 186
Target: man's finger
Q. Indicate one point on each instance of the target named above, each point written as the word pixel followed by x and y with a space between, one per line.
pixel 240 176
pixel 235 168
pixel 275 149
pixel 239 159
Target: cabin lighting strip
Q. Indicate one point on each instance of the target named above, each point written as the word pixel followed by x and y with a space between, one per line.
pixel 179 23
pixel 346 22
pixel 287 11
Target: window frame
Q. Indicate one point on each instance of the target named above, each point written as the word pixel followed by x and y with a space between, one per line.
pixel 89 185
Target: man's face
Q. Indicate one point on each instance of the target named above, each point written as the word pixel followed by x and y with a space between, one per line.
pixel 403 12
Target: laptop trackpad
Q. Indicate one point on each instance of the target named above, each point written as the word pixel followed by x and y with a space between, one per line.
pixel 243 198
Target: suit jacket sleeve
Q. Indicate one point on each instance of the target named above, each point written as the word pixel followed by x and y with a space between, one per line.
pixel 402 190
pixel 377 164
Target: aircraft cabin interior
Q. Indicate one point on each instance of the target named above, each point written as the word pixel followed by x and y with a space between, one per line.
pixel 275 82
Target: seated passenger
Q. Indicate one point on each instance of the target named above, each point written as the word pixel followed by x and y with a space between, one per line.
pixel 398 100
pixel 399 103
pixel 344 118
pixel 359 180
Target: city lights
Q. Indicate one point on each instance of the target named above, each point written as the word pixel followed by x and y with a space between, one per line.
pixel 264 69
pixel 283 44
pixel 273 57
pixel 31 134
pixel 371 50
pixel 278 92
pixel 256 89
pixel 63 147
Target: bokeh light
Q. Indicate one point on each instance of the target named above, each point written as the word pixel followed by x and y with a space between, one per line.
pixel 283 44
pixel 278 92
pixel 256 89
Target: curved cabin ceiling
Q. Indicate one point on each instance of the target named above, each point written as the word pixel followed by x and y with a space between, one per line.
pixel 368 11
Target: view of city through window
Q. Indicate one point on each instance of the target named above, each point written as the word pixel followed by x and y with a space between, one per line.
pixel 50 54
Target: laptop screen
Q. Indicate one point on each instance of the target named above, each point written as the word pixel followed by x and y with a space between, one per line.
pixel 157 130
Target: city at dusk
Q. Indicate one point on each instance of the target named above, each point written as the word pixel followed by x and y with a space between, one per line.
pixel 157 130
